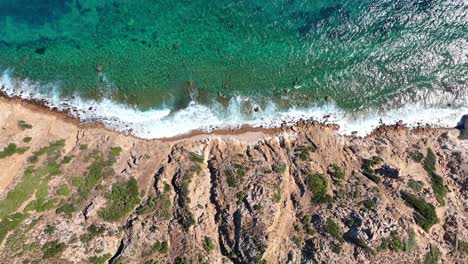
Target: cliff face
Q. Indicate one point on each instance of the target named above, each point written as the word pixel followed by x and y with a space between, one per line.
pixel 74 194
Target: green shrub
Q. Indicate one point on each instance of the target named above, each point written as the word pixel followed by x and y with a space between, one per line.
pixel 303 152
pixel 337 172
pixel 317 184
pixel 8 151
pixel 278 192
pixel 437 182
pixel 241 171
pixel 368 168
pixel 306 224
pixel 123 198
pixel 230 179
pixel 83 146
pixel 334 230
pixel 433 256
pixel 240 196
pixel 93 231
pixel 416 186
pixel 395 244
pixel 196 158
pixel 370 204
pixel 281 169
pixel 115 151
pixel 463 247
pixel 208 244
pixel 99 259
pixel 416 156
pixel 23 125
pixel 424 214
pixel 10 223
pixel 160 247
pixel 52 249
pixel 27 139
pixel 410 244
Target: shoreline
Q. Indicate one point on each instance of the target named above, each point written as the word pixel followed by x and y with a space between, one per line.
pixel 42 107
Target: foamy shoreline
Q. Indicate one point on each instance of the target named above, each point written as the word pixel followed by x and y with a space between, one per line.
pixel 197 119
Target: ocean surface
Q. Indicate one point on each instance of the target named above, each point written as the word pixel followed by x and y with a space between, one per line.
pixel 162 68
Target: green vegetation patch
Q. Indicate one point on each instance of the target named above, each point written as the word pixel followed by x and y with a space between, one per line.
pixel 307 226
pixel 416 186
pixel 160 247
pixel 99 169
pixel 27 139
pixel 317 184
pixel 368 168
pixel 196 158
pixel 336 172
pixel 437 182
pixel 53 151
pixel 161 205
pixel 416 155
pixel 281 168
pixel 121 200
pixel 10 223
pixel 303 152
pixel 433 256
pixel 115 151
pixel 23 125
pixel 63 190
pixel 208 244
pixel 52 249
pixel 34 180
pixel 11 149
pixel 99 259
pixel 463 247
pixel 370 204
pixel 93 231
pixel 424 214
pixel 332 228
pixel 83 146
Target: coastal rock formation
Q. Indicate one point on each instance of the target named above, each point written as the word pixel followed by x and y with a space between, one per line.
pixel 73 193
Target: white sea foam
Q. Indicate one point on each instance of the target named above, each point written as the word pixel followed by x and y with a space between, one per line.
pixel 159 123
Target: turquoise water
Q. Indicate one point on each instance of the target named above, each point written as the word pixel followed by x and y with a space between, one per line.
pixel 295 53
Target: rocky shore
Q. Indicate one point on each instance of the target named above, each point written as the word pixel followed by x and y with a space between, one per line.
pixel 73 193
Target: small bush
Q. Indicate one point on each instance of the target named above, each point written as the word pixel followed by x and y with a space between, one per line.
pixel 83 146
pixel 208 244
pixel 99 259
pixel 368 168
pixel 52 248
pixel 463 247
pixel 23 125
pixel 437 182
pixel 416 186
pixel 8 151
pixel 303 152
pixel 425 214
pixel 123 198
pixel 230 179
pixel 370 204
pixel 281 169
pixel 416 156
pixel 63 190
pixel 433 256
pixel 160 247
pixel 93 231
pixel 337 172
pixel 240 196
pixel 317 184
pixel 115 151
pixel 27 139
pixel 334 230
pixel 197 158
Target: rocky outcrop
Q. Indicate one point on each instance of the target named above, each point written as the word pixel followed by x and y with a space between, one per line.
pixel 300 195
